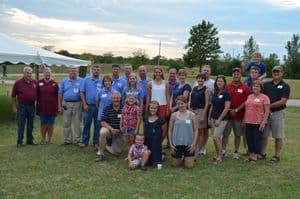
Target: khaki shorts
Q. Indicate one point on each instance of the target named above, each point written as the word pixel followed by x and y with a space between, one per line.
pixel 201 124
pixel 218 131
pixel 275 125
pixel 237 126
pixel 117 142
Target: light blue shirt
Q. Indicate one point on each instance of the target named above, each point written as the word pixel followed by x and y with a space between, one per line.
pixel 70 89
pixel 143 85
pixel 137 92
pixel 90 87
pixel 104 99
pixel 118 84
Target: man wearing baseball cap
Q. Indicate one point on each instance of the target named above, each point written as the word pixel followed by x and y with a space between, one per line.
pixel 239 93
pixel 279 92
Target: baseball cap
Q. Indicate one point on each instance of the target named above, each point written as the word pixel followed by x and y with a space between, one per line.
pixel 236 69
pixel 276 68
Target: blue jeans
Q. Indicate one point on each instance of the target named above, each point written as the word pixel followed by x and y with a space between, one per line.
pixel 25 114
pixel 88 117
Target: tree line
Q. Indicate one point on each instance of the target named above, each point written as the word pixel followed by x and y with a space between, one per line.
pixel 203 48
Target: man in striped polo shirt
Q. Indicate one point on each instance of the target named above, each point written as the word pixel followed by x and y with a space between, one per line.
pixel 111 128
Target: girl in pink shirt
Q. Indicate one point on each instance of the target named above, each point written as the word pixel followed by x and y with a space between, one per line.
pixel 130 119
pixel 257 109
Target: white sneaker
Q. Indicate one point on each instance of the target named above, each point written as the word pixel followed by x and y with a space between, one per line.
pixel 236 155
pixel 203 152
pixel 223 152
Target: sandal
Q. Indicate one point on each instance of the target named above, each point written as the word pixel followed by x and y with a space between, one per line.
pixel 251 161
pixel 217 161
pixel 275 159
pixel 262 156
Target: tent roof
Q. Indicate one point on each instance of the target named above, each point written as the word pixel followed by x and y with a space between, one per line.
pixel 15 52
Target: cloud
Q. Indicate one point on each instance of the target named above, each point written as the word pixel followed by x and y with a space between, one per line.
pixel 83 36
pixel 285 4
pixel 232 33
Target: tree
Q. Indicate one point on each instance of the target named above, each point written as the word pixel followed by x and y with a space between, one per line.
pixel 203 44
pixel 108 57
pixel 139 57
pixel 292 61
pixel 49 47
pixel 270 62
pixel 249 48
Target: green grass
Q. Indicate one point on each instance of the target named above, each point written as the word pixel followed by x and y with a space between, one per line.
pixel 53 171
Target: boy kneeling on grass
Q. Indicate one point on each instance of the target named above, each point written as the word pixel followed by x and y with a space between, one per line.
pixel 138 154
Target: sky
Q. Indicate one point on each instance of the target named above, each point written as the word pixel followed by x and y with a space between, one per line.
pixel 120 27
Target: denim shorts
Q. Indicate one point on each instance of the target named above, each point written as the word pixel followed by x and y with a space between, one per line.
pixel 47 119
pixel 129 132
pixel 182 150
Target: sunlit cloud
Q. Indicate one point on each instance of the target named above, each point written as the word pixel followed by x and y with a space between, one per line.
pixel 82 36
pixel 285 4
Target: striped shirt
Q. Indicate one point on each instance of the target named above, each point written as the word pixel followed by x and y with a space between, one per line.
pixel 112 116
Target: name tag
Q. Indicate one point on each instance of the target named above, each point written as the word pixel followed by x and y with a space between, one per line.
pixel 280 86
pixel 240 90
pixel 220 96
pixel 104 95
pixel 257 100
pixel 119 115
pixel 75 90
pixel 41 84
pixel 187 121
pixel 77 84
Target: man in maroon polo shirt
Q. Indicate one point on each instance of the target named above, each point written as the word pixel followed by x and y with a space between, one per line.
pixel 239 93
pixel 24 94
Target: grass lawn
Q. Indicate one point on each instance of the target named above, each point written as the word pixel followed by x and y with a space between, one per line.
pixel 53 171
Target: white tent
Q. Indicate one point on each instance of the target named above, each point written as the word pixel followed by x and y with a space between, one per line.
pixel 14 51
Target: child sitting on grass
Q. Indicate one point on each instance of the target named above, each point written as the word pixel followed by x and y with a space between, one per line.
pixel 138 154
pixel 153 128
pixel 131 118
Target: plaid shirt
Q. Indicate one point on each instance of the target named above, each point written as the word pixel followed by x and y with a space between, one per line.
pixel 137 152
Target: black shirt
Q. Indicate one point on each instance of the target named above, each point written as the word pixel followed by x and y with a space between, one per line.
pixel 112 116
pixel 198 98
pixel 277 91
pixel 218 104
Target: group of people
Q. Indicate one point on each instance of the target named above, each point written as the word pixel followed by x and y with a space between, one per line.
pixel 136 113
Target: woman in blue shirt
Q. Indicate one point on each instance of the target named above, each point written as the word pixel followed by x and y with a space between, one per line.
pixel 103 97
pixel 218 116
pixel 182 88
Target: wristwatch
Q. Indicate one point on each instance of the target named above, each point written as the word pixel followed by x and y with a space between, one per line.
pixel 236 110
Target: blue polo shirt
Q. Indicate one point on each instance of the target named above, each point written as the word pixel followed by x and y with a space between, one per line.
pixel 179 91
pixel 125 79
pixel 90 87
pixel 261 66
pixel 70 89
pixel 137 92
pixel 218 103
pixel 104 99
pixel 143 85
pixel 118 84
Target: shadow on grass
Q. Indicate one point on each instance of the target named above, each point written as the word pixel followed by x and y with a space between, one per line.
pixel 6 114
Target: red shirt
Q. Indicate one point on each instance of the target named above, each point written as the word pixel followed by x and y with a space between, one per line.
pixel 239 94
pixel 130 116
pixel 25 91
pixel 47 98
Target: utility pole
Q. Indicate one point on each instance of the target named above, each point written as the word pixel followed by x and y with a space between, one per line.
pixel 158 60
